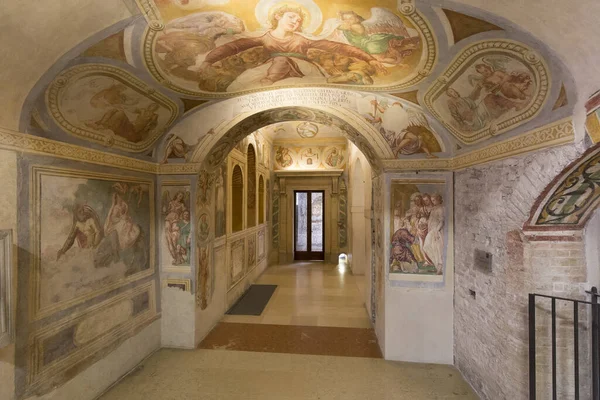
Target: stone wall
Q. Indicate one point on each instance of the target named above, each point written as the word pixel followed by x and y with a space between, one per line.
pixel 491 204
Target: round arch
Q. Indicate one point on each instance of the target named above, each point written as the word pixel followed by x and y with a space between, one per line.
pixel 214 149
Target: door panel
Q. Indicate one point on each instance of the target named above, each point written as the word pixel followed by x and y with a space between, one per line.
pixel 309 225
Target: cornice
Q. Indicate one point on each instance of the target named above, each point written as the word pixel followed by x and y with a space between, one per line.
pixel 554 134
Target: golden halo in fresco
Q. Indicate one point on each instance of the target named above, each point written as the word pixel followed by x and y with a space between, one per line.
pixel 228 49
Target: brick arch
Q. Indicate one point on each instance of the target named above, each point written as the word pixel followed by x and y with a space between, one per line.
pixel 565 206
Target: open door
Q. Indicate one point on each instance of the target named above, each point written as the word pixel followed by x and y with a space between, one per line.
pixel 309 226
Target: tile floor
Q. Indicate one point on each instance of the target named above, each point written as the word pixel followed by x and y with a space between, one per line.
pixel 312 294
pixel 238 375
pixel 322 300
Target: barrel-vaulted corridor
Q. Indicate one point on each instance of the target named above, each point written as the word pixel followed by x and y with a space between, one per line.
pixel 314 340
pixel 181 178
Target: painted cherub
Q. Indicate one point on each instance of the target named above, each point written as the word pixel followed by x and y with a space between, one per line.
pixel 383 36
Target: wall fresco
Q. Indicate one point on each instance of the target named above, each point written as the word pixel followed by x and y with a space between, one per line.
pixel 310 157
pixel 95 233
pixel 176 227
pixel 418 228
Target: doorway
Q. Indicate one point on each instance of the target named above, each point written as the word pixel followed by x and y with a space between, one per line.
pixel 309 225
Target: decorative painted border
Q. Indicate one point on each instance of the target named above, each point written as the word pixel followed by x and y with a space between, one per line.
pixel 559 186
pixel 468 55
pixel 61 81
pixel 261 253
pixel 407 10
pixel 7 294
pixel 238 245
pixel 42 378
pixel 36 172
pixel 554 134
pixel 12 140
pixel 251 239
pixel 186 282
pixel 151 13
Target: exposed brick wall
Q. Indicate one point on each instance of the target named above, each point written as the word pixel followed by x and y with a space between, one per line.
pixel 491 204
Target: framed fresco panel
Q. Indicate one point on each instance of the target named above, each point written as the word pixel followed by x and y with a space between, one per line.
pixel 91 233
pixel 419 231
pixel 237 264
pixel 490 88
pixel 176 231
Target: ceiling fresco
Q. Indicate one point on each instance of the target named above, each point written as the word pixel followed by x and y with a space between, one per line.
pixel 230 47
pixel 416 82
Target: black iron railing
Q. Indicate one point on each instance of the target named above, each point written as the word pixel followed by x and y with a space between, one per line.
pixel 592 309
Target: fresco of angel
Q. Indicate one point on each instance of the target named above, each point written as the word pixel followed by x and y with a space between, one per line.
pixel 496 89
pixel 383 35
pixel 177 227
pixel 287 51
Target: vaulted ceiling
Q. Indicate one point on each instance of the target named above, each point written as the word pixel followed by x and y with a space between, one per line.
pixel 417 81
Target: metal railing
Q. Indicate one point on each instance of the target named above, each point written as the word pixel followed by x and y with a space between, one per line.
pixel 593 308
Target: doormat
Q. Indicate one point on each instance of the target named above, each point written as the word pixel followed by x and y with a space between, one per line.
pixel 254 301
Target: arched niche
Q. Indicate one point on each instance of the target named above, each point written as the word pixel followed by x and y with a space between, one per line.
pixel 261 200
pixel 251 191
pixel 237 199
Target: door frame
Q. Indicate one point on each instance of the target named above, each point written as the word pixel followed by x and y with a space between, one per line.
pixel 309 255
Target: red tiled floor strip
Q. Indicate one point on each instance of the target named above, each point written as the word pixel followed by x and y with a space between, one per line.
pixel 315 340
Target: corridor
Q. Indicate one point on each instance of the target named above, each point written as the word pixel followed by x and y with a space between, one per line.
pixel 312 341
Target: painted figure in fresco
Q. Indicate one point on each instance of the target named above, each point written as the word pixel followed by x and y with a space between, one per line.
pixel 383 36
pixel 86 230
pixel 188 37
pixel 402 257
pixel 496 91
pixel 119 225
pixel 283 157
pixel 287 51
pixel 204 277
pixel 205 181
pixel 467 114
pixel 418 240
pixel 220 214
pixel 434 242
pixel 334 158
pixel 113 97
pixel 123 237
pixel 117 121
pixel 414 138
pixel 203 227
pixel 175 148
pixel 184 239
pixel 177 230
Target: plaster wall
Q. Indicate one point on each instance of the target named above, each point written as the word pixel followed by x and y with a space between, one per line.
pixel 492 202
pixel 8 220
pixel 592 250
pixel 102 375
pixel 360 232
pixel 419 315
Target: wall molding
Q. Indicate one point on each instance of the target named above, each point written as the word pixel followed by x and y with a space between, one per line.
pixel 554 134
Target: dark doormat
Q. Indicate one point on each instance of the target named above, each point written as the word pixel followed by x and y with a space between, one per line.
pixel 254 301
